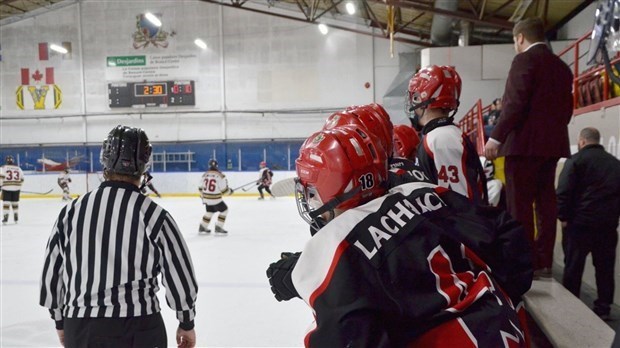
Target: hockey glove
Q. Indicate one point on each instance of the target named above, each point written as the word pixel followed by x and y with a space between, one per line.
pixel 279 274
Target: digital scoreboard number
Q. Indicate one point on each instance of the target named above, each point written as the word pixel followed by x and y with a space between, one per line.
pixel 151 94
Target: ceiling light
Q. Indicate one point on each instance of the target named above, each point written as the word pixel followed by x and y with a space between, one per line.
pixel 58 49
pixel 153 19
pixel 323 29
pixel 350 8
pixel 200 43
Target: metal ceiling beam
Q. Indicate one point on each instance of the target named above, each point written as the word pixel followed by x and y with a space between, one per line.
pixel 499 8
pixel 399 39
pixel 7 4
pixel 374 17
pixel 473 8
pixel 301 8
pixel 402 29
pixel 334 4
pixel 494 22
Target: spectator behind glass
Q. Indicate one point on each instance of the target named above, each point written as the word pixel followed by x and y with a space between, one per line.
pixel 589 207
pixel 490 120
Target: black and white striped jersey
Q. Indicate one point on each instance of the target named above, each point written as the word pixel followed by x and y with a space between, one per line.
pixel 105 253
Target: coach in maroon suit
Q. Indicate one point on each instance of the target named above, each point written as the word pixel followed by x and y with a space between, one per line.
pixel 533 134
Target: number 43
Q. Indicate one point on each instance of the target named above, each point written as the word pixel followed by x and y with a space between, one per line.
pixel 449 173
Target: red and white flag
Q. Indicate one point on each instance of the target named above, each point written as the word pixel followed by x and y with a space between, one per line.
pixel 31 77
pixel 45 52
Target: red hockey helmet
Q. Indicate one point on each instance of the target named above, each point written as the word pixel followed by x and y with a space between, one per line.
pixel 434 87
pixel 406 141
pixel 339 168
pixel 369 117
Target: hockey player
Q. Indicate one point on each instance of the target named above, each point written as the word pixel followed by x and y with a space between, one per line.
pixel 447 156
pixel 376 121
pixel 12 179
pixel 264 180
pixel 214 185
pixel 63 181
pixel 416 266
pixel 495 187
pixel 406 141
pixel 147 181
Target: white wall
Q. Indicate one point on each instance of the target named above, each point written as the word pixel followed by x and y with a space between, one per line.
pixel 253 62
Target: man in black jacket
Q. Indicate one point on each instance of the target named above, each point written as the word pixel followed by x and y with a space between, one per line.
pixel 589 207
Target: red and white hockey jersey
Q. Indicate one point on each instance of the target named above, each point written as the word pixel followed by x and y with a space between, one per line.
pixel 450 160
pixel 420 266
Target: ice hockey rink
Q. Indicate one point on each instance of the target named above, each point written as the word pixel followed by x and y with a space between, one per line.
pixel 235 307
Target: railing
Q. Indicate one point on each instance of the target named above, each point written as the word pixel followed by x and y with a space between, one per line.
pixel 472 125
pixel 592 87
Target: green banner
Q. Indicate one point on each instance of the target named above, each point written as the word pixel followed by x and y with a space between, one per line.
pixel 126 61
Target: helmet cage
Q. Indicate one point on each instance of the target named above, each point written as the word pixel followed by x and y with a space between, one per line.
pixel 311 207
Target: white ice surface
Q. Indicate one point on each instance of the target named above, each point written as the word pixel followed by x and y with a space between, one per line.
pixel 235 307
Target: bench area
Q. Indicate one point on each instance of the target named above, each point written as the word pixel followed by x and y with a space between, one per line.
pixel 565 319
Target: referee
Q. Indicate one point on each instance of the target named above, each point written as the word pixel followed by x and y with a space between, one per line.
pixel 105 253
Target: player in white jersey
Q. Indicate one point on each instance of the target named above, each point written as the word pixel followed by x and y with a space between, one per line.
pixel 495 187
pixel 446 154
pixel 63 181
pixel 214 185
pixel 12 178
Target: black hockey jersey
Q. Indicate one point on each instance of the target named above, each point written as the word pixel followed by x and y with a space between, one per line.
pixel 450 160
pixel 421 259
pixel 403 170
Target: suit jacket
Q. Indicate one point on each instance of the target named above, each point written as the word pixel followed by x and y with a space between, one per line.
pixel 537 106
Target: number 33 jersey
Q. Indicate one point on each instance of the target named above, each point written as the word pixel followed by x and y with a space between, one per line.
pixel 11 177
pixel 450 160
pixel 214 184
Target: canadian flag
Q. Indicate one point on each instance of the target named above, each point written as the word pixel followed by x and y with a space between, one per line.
pixel 45 52
pixel 37 76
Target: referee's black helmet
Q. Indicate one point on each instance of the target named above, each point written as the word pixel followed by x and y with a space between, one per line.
pixel 126 151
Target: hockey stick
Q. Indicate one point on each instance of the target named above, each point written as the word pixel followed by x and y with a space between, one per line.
pixel 247 189
pixel 38 193
pixel 242 186
pixel 285 187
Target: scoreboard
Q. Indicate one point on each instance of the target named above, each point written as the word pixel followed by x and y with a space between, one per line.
pixel 148 94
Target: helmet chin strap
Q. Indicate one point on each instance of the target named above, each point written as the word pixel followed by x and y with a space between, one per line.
pixel 332 204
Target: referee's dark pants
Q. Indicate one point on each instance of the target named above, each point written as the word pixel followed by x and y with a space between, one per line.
pixel 146 331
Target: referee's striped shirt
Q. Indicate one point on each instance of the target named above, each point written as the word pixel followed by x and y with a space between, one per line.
pixel 105 253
